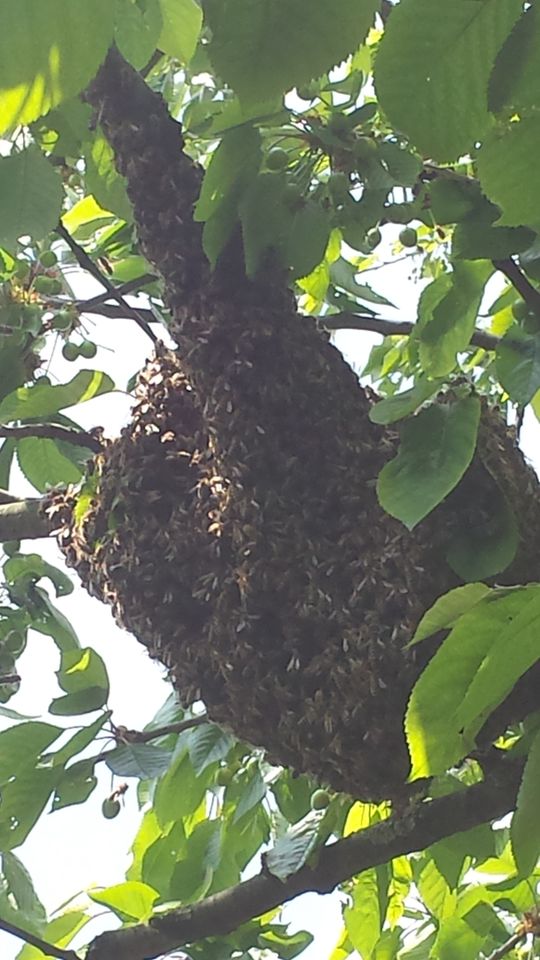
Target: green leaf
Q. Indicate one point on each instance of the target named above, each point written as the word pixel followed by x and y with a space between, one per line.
pixel 403 166
pixel 515 80
pixel 75 784
pixel 254 791
pixel 236 159
pixel 207 744
pixel 456 940
pixel 488 544
pixel 21 889
pixel 24 797
pixel 59 931
pixel 102 178
pixel 30 196
pixel 469 675
pixel 265 219
pixel 49 53
pixel 362 918
pixel 80 740
pixel 431 46
pixel 447 609
pixel 51 622
pixel 130 901
pixel 404 404
pixel 84 678
pixel 285 946
pixel 137 29
pixel 263 49
pixel 436 448
pixel 518 364
pixel 182 22
pixel 508 173
pixel 291 851
pixel 193 871
pixel 74 704
pixel 446 326
pixel 21 745
pixel 41 400
pixel 525 827
pixel 142 760
pixel 453 198
pixel 307 239
pixel 474 240
pixel 7 451
pixel 31 567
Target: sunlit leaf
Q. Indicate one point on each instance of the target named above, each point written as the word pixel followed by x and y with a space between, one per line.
pixel 436 448
pixel 430 46
pixel 266 48
pixel 48 53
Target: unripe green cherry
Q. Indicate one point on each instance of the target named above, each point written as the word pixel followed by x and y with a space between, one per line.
pixel 70 351
pixel 373 238
pixel 87 349
pixel 320 799
pixel 43 284
pixel 110 808
pixel 48 259
pixel 11 547
pixel 22 269
pixel 408 237
pixel 224 776
pixel 277 159
pixel 62 320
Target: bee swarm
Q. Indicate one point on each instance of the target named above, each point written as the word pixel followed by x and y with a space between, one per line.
pixel 237 534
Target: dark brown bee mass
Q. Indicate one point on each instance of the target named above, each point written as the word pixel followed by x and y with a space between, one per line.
pixel 262 572
pixel 234 525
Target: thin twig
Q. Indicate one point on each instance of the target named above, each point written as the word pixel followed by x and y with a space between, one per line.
pixel 51 431
pixel 9 678
pixel 391 328
pixel 47 948
pixel 144 736
pixel 88 264
pixel 7 497
pixel 518 280
pixel 507 946
pixel 128 287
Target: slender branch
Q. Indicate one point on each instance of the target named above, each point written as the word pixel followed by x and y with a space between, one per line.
pixel 391 328
pixel 518 279
pixel 144 736
pixel 128 287
pixel 88 264
pixel 219 914
pixel 7 497
pixel 47 948
pixel 22 520
pixel 51 431
pixel 507 946
pixel 10 678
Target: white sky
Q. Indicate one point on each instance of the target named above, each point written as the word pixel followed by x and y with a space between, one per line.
pixel 75 848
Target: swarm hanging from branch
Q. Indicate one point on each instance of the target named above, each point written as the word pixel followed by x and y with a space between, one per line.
pixel 234 525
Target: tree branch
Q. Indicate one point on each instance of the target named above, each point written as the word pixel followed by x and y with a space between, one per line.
pixel 219 914
pixel 22 520
pixel 391 328
pixel 47 948
pixel 88 264
pixel 130 286
pixel 124 735
pixel 51 431
pixel 518 280
pixel 507 946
